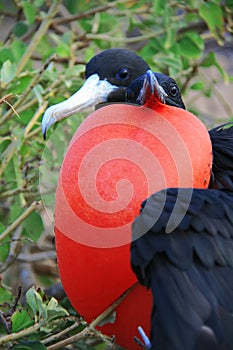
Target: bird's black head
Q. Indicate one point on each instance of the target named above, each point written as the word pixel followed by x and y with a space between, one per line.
pixel 166 87
pixel 119 67
pixel 108 75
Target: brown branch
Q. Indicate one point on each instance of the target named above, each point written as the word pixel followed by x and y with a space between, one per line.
pixel 15 248
pixel 56 336
pixel 34 206
pixel 15 336
pixel 88 13
pixel 90 330
pixel 27 91
pixel 38 35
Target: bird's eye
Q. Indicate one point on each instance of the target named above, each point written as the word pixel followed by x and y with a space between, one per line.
pixel 173 90
pixel 123 74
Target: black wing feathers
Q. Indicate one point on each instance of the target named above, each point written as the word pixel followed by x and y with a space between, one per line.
pixel 222 145
pixel 190 269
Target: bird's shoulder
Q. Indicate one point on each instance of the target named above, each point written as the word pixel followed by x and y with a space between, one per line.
pixel 185 225
pixel 222 145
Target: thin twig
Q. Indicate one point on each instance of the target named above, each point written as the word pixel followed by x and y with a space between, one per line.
pixel 112 307
pixel 88 13
pixel 13 307
pixel 131 40
pixel 34 119
pixel 4 323
pixel 38 35
pixel 34 206
pixel 27 104
pixel 33 133
pixel 19 181
pixel 188 77
pixel 15 336
pixel 26 92
pixel 90 330
pixel 60 345
pixel 56 336
pixel 5 99
pixel 14 192
pixel 8 154
pixel 15 247
pixel 35 257
pixel 26 332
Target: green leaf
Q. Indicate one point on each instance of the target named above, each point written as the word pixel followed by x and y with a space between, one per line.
pixel 26 115
pixel 106 22
pixel 170 38
pixel 212 15
pixel 20 28
pixel 34 300
pixel 6 54
pixel 22 83
pixel 38 3
pixel 73 6
pixel 199 85
pixel 54 310
pixel 159 7
pixel 44 47
pixel 16 209
pixel 38 91
pixel 62 43
pixel 18 49
pixel 191 45
pixel 8 71
pixel 211 60
pixel 173 62
pixel 21 320
pixel 229 4
pixel 6 298
pixel 29 11
pixel 4 245
pixel 111 318
pixel 33 225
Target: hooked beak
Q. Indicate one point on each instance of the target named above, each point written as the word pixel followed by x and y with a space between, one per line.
pixel 151 87
pixel 93 92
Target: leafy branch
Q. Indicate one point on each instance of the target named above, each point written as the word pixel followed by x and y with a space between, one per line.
pixel 48 315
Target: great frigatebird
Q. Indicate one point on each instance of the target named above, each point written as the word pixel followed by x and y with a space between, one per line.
pixel 190 270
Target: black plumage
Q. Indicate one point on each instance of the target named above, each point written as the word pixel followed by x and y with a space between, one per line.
pixel 222 145
pixel 189 270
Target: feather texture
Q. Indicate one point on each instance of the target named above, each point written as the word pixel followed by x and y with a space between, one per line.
pixel 189 270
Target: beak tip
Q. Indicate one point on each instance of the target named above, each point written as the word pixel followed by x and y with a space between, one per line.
pixel 43 128
pixel 47 121
pixel 44 134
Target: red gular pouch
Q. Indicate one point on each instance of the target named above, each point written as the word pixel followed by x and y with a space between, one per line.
pixel 119 156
